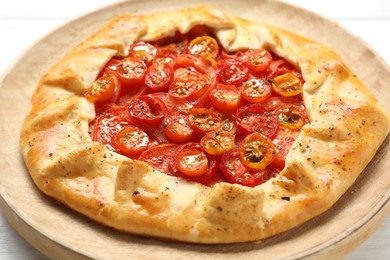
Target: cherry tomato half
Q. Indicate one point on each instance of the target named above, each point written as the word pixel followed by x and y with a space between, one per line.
pixel 131 72
pixel 291 116
pixel 256 151
pixel 256 90
pixel 257 60
pixel 159 156
pixel 225 97
pixel 217 142
pixel 204 45
pixel 132 141
pixel 203 64
pixel 283 142
pixel 233 72
pixel 143 51
pixel 189 84
pixel 204 120
pixel 177 127
pixel 146 109
pixel 254 118
pixel 287 85
pixel 159 76
pixel 236 172
pixel 102 89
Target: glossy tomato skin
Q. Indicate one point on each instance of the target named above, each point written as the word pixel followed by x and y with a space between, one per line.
pixel 204 45
pixel 132 141
pixel 103 89
pixel 256 151
pixel 283 142
pixel 233 72
pixel 131 72
pixel 159 76
pixel 189 84
pixel 158 156
pixel 225 97
pixel 146 110
pixel 143 51
pixel 256 90
pixel 257 60
pixel 217 142
pixel 204 120
pixel 255 118
pixel 177 127
pixel 236 172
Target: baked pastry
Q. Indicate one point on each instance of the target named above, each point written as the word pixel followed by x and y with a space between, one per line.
pixel 345 123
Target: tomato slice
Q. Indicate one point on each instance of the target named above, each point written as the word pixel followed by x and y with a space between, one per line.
pixel 204 120
pixel 192 162
pixel 257 60
pixel 132 141
pixel 159 76
pixel 254 118
pixel 172 47
pixel 143 51
pixel 102 89
pixel 204 45
pixel 280 66
pixel 233 72
pixel 283 142
pixel 177 127
pixel 205 178
pixel 146 109
pixel 170 104
pixel 256 90
pixel 203 64
pixel 225 97
pixel 217 142
pixel 236 172
pixel 158 156
pixel 287 85
pixel 131 72
pixel 256 151
pixel 189 84
pixel 291 116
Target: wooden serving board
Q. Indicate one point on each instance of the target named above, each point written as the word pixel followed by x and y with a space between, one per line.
pixel 61 233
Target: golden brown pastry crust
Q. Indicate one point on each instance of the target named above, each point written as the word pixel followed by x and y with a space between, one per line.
pixel 347 126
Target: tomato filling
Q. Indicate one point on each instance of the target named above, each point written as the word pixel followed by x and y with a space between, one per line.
pixel 190 109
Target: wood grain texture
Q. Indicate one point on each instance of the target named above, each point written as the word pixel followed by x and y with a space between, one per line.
pixel 52 228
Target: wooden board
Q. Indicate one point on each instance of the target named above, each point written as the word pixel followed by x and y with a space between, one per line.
pixel 60 233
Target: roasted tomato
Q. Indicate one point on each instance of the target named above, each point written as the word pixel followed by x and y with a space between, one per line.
pixel 256 151
pixel 217 142
pixel 143 51
pixel 132 141
pixel 287 85
pixel 225 97
pixel 102 89
pixel 280 66
pixel 204 45
pixel 159 76
pixel 204 120
pixel 283 142
pixel 291 116
pixel 203 64
pixel 131 72
pixel 254 118
pixel 158 156
pixel 146 109
pixel 172 47
pixel 233 72
pixel 257 60
pixel 189 84
pixel 177 127
pixel 236 172
pixel 256 90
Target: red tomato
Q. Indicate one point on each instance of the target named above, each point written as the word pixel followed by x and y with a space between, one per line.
pixel 256 151
pixel 280 66
pixel 254 118
pixel 236 172
pixel 159 156
pixel 132 141
pixel 256 90
pixel 257 60
pixel 170 104
pixel 146 109
pixel 204 178
pixel 225 97
pixel 102 89
pixel 204 120
pixel 131 72
pixel 203 64
pixel 291 116
pixel 189 84
pixel 283 142
pixel 177 127
pixel 287 85
pixel 172 47
pixel 217 142
pixel 143 51
pixel 159 76
pixel 233 72
pixel 204 45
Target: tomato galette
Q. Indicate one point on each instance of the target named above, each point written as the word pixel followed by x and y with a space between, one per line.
pixel 199 126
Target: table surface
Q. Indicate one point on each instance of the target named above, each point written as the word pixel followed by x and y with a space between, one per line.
pixel 23 22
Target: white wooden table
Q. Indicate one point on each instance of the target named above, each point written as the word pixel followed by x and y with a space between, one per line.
pixel 22 22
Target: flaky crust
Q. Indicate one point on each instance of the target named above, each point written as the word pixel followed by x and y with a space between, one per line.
pixel 347 125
